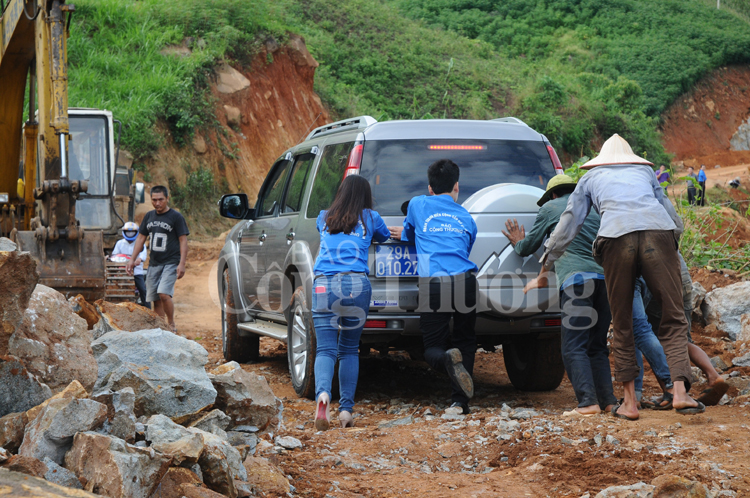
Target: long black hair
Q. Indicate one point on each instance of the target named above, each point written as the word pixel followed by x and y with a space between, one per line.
pixel 352 198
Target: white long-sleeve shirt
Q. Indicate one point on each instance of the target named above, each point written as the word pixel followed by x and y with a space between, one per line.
pixel 125 247
pixel 627 197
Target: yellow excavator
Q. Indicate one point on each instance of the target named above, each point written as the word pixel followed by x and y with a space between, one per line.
pixel 62 196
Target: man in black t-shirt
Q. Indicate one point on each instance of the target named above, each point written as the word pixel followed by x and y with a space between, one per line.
pixel 168 232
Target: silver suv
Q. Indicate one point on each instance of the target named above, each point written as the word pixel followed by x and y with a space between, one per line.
pixel 265 268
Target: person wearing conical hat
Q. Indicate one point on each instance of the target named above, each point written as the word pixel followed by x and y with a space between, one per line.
pixel 583 299
pixel 638 236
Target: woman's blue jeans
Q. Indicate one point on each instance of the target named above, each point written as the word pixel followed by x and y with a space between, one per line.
pixel 646 340
pixel 340 305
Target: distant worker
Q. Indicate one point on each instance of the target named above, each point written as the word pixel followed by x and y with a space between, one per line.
pixel 702 183
pixel 691 190
pixel 125 246
pixel 662 175
pixel 169 248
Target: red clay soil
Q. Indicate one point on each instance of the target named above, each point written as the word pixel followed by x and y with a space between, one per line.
pixel 277 110
pixel 697 127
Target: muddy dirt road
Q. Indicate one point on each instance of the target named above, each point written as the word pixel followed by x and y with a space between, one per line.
pixel 512 444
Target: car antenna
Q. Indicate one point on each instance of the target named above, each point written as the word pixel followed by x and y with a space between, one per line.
pixel 309 127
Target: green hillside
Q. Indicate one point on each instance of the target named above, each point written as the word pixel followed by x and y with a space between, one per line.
pixel 576 70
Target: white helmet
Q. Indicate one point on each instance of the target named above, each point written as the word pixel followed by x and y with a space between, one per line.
pixel 130 231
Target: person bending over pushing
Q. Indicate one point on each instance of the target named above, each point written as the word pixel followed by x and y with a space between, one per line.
pixel 444 233
pixel 169 249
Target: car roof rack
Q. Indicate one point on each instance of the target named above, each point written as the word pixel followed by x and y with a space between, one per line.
pixel 345 124
pixel 510 120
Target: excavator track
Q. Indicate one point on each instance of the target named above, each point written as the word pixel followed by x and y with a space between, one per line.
pixel 120 287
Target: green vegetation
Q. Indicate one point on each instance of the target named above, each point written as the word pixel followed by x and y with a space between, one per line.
pixel 116 60
pixel 196 199
pixel 576 70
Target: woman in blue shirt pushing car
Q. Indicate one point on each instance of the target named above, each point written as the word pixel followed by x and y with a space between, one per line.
pixel 341 293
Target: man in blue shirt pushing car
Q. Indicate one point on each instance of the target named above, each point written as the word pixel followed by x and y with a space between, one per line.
pixel 444 233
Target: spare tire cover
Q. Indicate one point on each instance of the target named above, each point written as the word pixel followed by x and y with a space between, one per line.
pixel 502 273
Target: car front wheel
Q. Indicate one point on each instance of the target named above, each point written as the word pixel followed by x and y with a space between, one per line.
pixel 301 345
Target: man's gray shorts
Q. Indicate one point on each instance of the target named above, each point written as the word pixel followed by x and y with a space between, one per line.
pixel 160 280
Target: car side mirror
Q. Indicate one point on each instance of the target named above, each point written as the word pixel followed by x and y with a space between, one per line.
pixel 140 193
pixel 235 206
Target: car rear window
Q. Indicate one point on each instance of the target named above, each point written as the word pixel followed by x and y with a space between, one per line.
pixel 397 169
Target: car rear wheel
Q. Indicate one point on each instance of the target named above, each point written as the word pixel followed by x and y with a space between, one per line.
pixel 235 347
pixel 301 345
pixel 534 364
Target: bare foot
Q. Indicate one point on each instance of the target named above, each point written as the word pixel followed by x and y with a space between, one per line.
pixel 589 410
pixel 628 410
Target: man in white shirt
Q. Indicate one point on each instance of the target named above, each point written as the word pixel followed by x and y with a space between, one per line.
pixel 125 246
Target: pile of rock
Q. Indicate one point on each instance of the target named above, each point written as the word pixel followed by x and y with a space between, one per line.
pixel 726 313
pixel 152 421
pixel 99 398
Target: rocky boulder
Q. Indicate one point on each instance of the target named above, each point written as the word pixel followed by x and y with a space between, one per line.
pixel 725 306
pixel 120 413
pixel 19 277
pixel 125 316
pixel 266 477
pixel 85 310
pixel 16 484
pixel 26 465
pixel 669 486
pixel 74 390
pixel 60 475
pixel 51 433
pixel 245 397
pixel 220 463
pixel 215 422
pixel 19 388
pixel 53 342
pixel 111 467
pixel 182 483
pixel 12 427
pixel 165 371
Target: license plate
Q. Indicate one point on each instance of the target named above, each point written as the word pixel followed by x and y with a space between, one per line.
pixel 395 260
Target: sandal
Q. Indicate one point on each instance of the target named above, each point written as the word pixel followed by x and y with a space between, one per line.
pixel 692 410
pixel 668 397
pixel 712 395
pixel 619 415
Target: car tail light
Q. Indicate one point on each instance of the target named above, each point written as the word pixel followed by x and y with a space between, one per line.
pixel 457 147
pixel 555 160
pixel 375 324
pixel 552 322
pixel 355 160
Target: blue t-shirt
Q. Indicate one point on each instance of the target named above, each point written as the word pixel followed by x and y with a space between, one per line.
pixel 348 252
pixel 701 176
pixel 444 233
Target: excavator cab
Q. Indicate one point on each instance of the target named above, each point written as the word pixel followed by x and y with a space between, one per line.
pixel 60 204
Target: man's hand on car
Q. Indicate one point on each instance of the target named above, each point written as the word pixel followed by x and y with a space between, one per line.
pixel 541 281
pixel 396 232
pixel 515 233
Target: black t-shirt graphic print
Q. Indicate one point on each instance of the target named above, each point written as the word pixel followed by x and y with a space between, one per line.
pixel 165 230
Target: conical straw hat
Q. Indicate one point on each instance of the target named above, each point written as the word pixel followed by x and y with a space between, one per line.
pixel 616 150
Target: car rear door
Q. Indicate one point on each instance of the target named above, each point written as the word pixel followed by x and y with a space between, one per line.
pixel 279 239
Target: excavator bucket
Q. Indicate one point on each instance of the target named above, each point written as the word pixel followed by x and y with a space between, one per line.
pixel 70 267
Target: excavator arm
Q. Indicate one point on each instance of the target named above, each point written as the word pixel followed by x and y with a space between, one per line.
pixel 40 209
